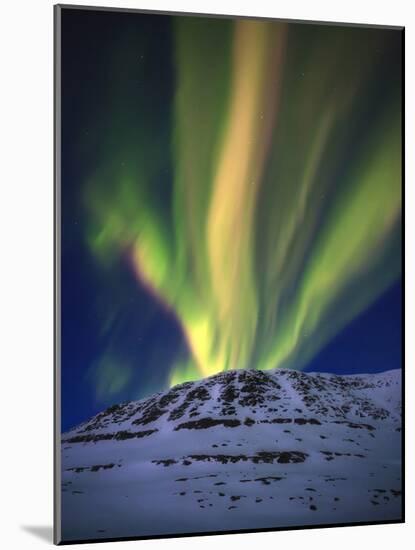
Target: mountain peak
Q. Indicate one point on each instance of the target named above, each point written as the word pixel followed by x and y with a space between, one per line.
pixel 261 396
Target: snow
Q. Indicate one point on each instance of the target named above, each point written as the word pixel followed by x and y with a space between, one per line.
pixel 239 450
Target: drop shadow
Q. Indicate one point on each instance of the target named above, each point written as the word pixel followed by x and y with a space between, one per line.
pixel 43 532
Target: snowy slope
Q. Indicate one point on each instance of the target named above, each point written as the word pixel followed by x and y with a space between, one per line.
pixel 239 450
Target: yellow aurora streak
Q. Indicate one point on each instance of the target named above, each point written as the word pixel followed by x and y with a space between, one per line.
pixel 264 256
pixel 257 54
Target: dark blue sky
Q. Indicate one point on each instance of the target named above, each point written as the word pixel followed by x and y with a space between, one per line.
pixel 92 298
pixel 138 329
pixel 372 342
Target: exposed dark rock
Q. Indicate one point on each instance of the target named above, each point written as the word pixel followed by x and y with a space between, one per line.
pixel 203 423
pixel 165 462
pixel 108 436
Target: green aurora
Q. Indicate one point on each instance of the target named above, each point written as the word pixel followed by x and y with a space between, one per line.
pixel 282 219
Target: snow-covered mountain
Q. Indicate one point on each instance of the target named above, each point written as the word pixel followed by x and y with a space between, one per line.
pixel 239 450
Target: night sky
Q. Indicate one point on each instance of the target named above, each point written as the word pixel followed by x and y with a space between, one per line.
pixel 231 198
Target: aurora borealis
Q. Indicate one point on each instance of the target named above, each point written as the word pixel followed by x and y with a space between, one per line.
pixel 238 186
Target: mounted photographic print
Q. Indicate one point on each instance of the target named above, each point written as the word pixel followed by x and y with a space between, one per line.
pixel 228 274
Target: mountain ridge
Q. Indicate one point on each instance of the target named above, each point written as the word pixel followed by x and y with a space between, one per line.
pixel 346 387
